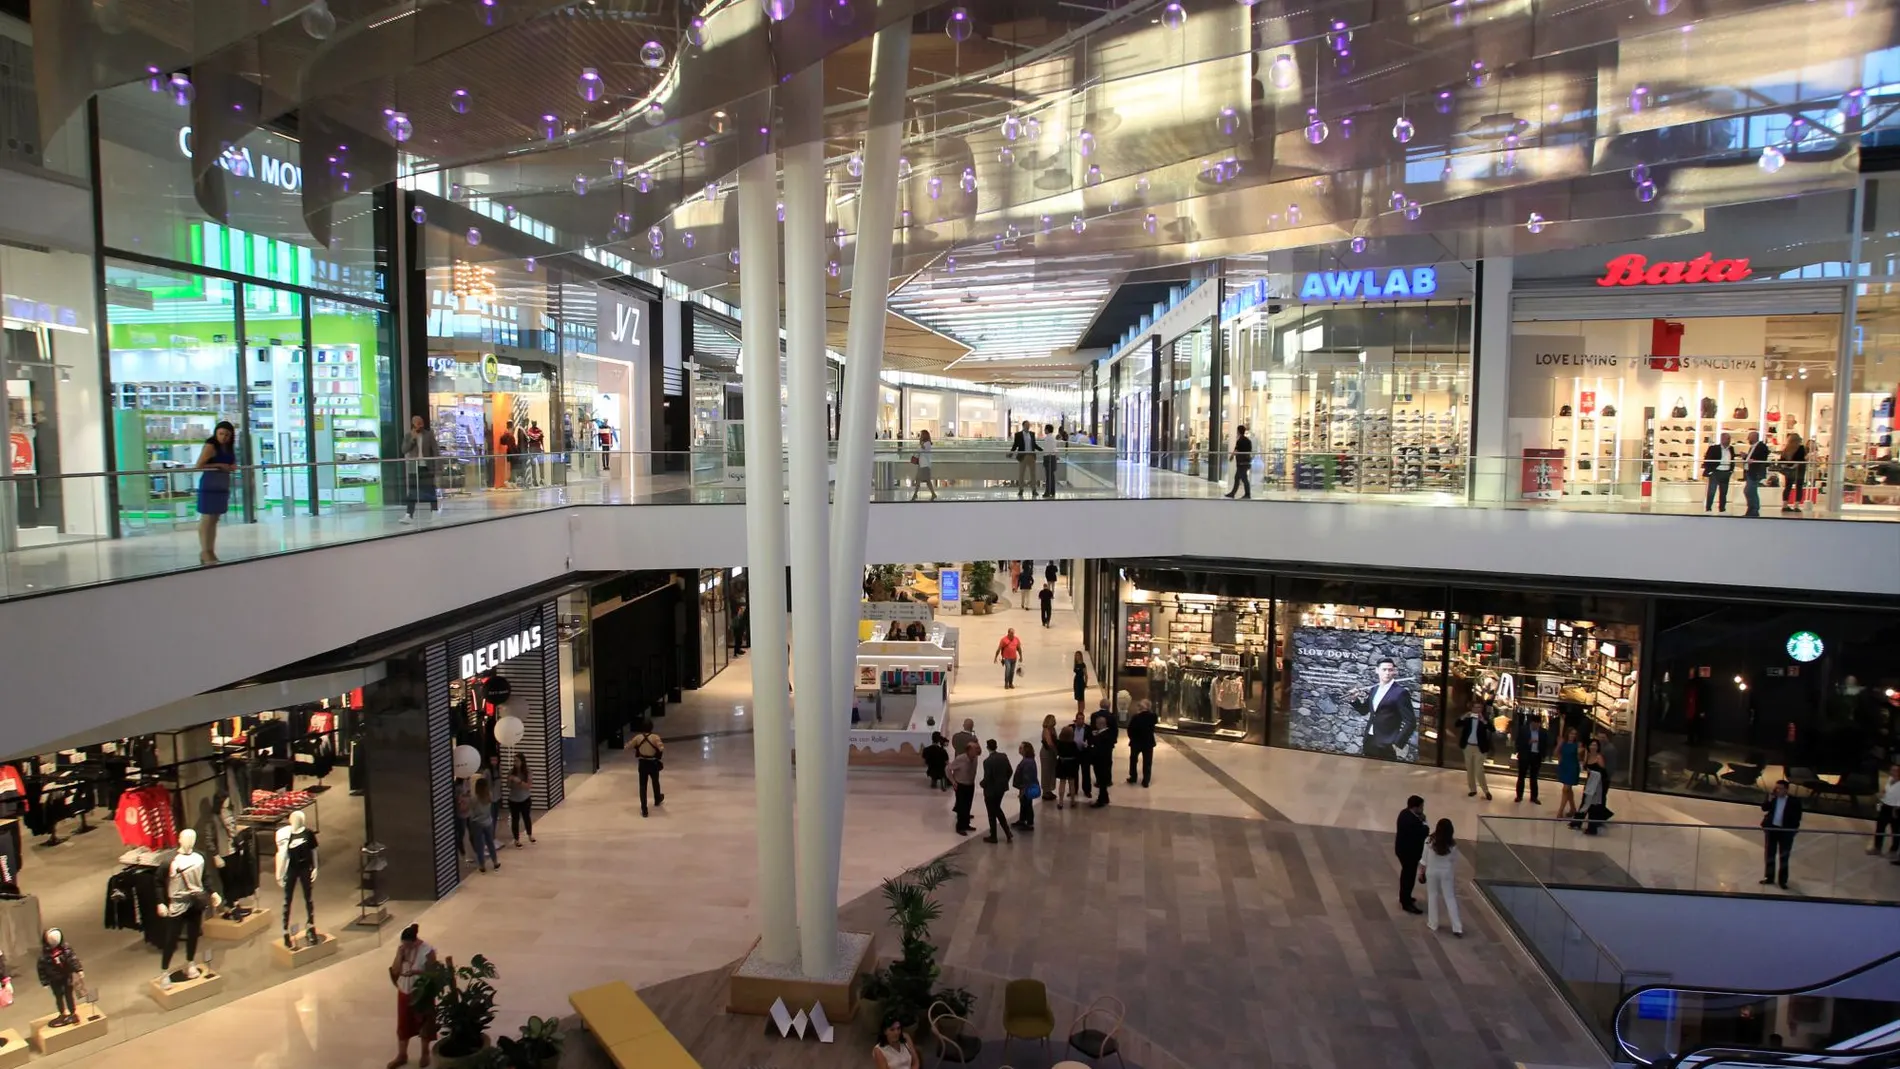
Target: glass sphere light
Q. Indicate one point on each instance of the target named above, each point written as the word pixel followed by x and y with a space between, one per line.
pixel 959 25
pixel 696 32
pixel 550 126
pixel 529 264
pixel 967 183
pixel 1085 143
pixel 1316 129
pixel 460 101
pixel 854 165
pixel 1402 130
pixel 643 182
pixel 318 21
pixel 1283 72
pixel 1227 122
pixel 1078 224
pixel 1093 177
pixel 1535 223
pixel 1772 159
pixel 1358 244
pixel 655 113
pixel 473 236
pixel 1174 15
pixel 1412 210
pixel 418 216
pixel 580 185
pixel 181 89
pixel 1150 223
pixel 656 235
pixel 1645 191
pixel 778 10
pixel 398 126
pixel 1012 128
pixel 652 54
pixel 590 86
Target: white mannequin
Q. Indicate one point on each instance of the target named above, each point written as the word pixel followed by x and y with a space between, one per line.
pixel 184 879
pixel 296 835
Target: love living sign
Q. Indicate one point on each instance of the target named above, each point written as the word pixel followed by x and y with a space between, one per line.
pixel 1635 269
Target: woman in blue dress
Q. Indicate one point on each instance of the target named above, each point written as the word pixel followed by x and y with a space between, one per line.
pixel 1569 773
pixel 218 459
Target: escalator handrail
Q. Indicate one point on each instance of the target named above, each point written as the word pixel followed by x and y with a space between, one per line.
pixel 1632 995
pixel 1887 1057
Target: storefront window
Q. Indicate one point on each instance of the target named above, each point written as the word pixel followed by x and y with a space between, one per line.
pixel 1187 415
pixel 715 644
pixel 55 408
pixel 926 408
pixel 979 417
pixel 1872 475
pixel 1744 695
pixel 1199 657
pixel 1616 419
pixel 1135 405
pixel 890 415
pixel 1372 398
pixel 175 376
pixel 354 399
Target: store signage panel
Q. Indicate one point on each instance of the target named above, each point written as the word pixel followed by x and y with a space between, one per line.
pixel 1805 646
pixel 1635 269
pixel 621 333
pixel 239 160
pixel 497 653
pixel 1369 285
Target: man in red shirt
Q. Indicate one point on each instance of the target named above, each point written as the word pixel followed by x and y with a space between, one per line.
pixel 1009 651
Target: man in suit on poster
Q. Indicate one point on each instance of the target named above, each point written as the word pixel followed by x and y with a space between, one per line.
pixel 1391 717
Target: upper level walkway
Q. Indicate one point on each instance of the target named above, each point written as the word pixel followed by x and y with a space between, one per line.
pixel 121 628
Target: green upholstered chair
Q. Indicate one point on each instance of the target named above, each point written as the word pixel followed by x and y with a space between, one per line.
pixel 1026 1013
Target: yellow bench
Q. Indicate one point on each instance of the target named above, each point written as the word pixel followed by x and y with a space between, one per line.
pixel 629 1031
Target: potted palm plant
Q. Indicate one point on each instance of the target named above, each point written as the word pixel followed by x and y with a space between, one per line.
pixel 907 987
pixel 462 1001
pixel 537 1047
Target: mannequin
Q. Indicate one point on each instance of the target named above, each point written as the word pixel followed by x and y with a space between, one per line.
pixel 60 970
pixel 297 863
pixel 186 902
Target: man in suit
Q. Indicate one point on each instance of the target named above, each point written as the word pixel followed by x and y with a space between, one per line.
pixel 1718 464
pixel 1753 472
pixel 997 772
pixel 1533 746
pixel 1410 848
pixel 1103 733
pixel 1780 819
pixel 1474 738
pixel 1141 744
pixel 1391 718
pixel 1024 448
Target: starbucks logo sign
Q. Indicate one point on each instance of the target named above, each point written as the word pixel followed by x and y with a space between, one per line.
pixel 1805 646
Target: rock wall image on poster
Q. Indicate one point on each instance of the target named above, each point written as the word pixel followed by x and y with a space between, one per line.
pixel 1335 674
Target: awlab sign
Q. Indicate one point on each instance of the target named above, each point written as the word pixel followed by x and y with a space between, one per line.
pixel 1635 269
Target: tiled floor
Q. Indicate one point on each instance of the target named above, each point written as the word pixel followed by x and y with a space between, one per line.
pixel 1278 940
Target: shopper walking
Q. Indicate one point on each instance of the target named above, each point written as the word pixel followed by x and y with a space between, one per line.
pixel 1080 685
pixel 1441 877
pixel 997 773
pixel 1794 472
pixel 922 478
pixel 1780 820
pixel 1028 786
pixel 1049 461
pixel 481 825
pixel 1592 812
pixel 218 459
pixel 1533 744
pixel 1009 650
pixel 537 449
pixel 963 777
pixel 1047 597
pixel 520 800
pixel 1754 471
pixel 413 958
pixel 1243 463
pixel 1024 448
pixel 419 453
pixel 1718 466
pixel 1068 761
pixel 1050 573
pixel 1569 773
pixel 1103 732
pixel 1141 741
pixel 1026 582
pixel 1887 815
pixel 1409 846
pixel 650 751
pixel 1474 738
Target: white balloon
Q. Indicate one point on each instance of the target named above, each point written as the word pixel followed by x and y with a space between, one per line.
pixel 508 730
pixel 468 761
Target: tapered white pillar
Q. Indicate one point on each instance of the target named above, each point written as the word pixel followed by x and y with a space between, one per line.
pixel 814 709
pixel 765 556
pixel 864 358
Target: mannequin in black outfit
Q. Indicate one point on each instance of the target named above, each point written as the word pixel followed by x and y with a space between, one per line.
pixel 297 863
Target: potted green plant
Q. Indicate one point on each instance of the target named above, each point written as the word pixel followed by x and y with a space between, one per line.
pixel 462 1001
pixel 907 987
pixel 537 1047
pixel 977 593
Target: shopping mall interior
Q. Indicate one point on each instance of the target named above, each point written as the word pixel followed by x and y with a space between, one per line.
pixel 482 584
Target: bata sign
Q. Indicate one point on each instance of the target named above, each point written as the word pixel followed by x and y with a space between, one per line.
pixel 496 654
pixel 1635 269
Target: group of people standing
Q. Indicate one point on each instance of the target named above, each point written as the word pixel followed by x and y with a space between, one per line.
pixel 1080 752
pixel 1580 763
pixel 478 802
pixel 1719 462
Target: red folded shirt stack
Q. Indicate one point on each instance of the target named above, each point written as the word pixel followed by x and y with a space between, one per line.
pixel 278 803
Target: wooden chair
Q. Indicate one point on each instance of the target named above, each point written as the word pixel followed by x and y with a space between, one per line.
pixel 954 1041
pixel 1026 1013
pixel 1096 1034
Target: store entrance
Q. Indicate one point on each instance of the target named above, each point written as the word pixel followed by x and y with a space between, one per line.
pixel 278 443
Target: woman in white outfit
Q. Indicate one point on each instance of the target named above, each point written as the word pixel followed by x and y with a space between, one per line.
pixel 894 1049
pixel 1441 877
pixel 922 460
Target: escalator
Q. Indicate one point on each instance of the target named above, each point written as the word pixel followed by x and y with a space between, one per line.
pixel 1850 1021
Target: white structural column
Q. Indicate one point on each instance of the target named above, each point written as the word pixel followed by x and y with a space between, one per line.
pixel 765 556
pixel 819 758
pixel 863 359
pixel 1491 424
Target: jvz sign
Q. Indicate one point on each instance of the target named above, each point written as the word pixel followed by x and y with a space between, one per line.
pixel 1369 285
